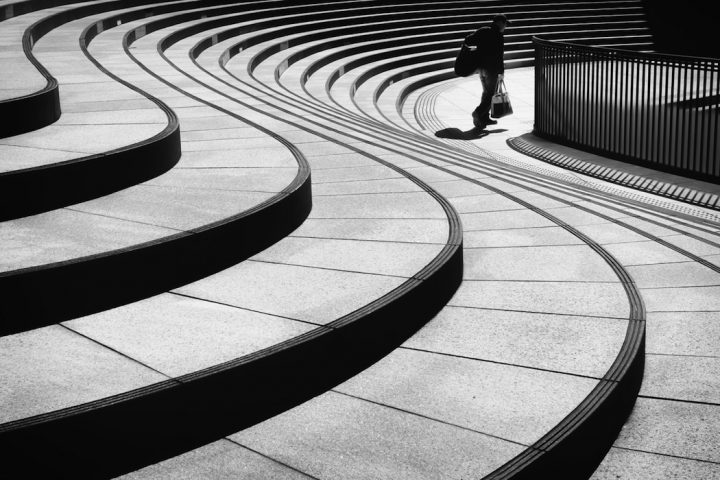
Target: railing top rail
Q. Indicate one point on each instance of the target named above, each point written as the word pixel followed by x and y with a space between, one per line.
pixel 626 54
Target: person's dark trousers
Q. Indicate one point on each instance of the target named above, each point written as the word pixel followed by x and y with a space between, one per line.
pixel 489 83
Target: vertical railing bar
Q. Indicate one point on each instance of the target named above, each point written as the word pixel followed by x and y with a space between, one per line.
pixel 563 90
pixel 673 115
pixel 632 104
pixel 702 129
pixel 549 86
pixel 624 104
pixel 599 98
pixel 716 122
pixel 683 119
pixel 647 92
pixel 592 123
pixel 586 91
pixel 557 93
pixel 579 86
pixel 697 118
pixel 607 110
pixel 652 119
pixel 635 96
pixel 640 108
pixel 690 113
pixel 667 113
pixel 618 105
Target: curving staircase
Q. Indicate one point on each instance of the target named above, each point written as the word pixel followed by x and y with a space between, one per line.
pixel 179 301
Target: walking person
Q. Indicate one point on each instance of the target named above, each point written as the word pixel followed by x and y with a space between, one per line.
pixel 489 41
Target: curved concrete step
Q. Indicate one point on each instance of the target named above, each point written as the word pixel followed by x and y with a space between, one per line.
pixel 57 165
pixel 368 399
pixel 317 307
pixel 529 462
pixel 217 208
pixel 28 94
pixel 679 229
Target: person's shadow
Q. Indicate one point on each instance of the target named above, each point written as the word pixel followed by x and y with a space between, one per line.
pixel 472 134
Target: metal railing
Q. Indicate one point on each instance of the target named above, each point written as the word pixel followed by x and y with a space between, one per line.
pixel 661 111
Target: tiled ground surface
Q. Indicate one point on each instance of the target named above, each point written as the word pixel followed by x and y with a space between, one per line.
pixel 539 316
pixel 537 322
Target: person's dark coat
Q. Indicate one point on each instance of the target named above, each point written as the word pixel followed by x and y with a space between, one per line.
pixel 490 44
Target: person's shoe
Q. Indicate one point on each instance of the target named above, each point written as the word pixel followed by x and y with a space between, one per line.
pixel 477 121
pixel 489 121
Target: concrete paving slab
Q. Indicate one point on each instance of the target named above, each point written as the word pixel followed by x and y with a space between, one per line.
pixel 610 233
pixel 194 111
pixel 228 179
pixel 51 368
pixel 355 174
pixel 205 124
pixel 673 428
pixel 684 333
pixel 230 144
pixel 486 203
pixel 395 205
pixel 173 207
pixel 221 459
pixel 682 377
pixel 122 117
pixel 523 219
pixel 575 217
pixel 520 238
pixel 99 92
pixel 698 299
pixel 366 187
pixel 644 253
pixel 629 464
pixel 64 234
pixel 321 148
pixel 273 289
pixel 336 436
pixel 577 345
pixel 380 258
pixel 243 158
pixel 686 274
pixel 694 246
pixel 648 227
pixel 178 335
pixel 568 298
pixel 391 230
pixel 88 139
pixel 16 158
pixel 509 402
pixel 541 201
pixel 223 133
pixel 460 188
pixel 548 263
pixel 102 106
pixel 342 160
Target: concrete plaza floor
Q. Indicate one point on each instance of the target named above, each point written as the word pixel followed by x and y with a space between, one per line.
pixel 550 256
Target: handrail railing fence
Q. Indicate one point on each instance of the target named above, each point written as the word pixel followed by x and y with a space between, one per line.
pixel 662 111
